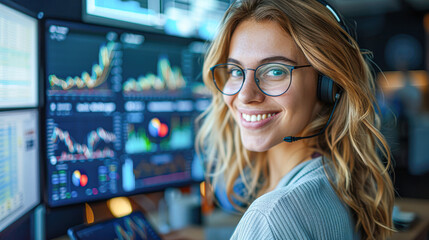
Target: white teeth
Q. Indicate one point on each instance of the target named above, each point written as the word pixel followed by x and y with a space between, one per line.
pixel 256 118
pixel 247 117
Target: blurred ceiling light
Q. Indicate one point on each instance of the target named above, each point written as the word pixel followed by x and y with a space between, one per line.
pixel 426 22
pixel 120 206
pixel 203 189
pixel 390 82
pixel 89 213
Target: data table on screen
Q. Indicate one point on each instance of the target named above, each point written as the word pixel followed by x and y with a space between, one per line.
pixel 19 164
pixel 18 59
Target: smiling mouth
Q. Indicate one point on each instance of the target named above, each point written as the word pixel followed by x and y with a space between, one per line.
pixel 257 117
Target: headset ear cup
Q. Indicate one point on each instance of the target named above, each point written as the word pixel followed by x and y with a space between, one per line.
pixel 325 89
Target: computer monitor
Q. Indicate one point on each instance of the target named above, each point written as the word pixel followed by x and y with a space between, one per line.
pixel 19 164
pixel 120 112
pixel 133 226
pixel 18 59
pixel 174 17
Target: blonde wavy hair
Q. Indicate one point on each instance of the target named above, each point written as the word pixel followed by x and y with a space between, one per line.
pixel 352 140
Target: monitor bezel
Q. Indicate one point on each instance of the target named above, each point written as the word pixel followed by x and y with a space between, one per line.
pixel 116 23
pixel 10 229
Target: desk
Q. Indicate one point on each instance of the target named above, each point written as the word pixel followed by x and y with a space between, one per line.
pixel 420 229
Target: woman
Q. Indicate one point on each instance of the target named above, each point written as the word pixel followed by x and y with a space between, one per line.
pixel 263 70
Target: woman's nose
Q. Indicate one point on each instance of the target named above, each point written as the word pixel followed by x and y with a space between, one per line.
pixel 249 91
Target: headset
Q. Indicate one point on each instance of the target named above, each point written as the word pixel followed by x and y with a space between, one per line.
pixel 327 90
pixel 326 87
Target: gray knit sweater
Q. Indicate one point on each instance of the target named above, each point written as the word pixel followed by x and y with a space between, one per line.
pixel 303 206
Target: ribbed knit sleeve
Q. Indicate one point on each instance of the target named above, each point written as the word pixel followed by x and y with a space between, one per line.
pixel 306 209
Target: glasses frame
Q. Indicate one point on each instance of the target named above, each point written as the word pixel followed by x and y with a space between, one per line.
pixel 244 70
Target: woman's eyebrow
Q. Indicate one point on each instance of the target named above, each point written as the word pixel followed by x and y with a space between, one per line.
pixel 277 58
pixel 232 60
pixel 266 60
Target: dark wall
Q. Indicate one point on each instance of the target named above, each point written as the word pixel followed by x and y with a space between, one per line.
pixel 375 31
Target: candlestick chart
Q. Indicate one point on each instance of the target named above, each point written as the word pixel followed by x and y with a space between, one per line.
pixel 168 78
pixel 98 76
pixel 70 141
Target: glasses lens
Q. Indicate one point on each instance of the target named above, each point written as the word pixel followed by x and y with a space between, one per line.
pixel 273 78
pixel 228 78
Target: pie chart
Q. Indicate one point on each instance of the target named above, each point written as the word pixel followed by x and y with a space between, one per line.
pixel 157 128
pixel 79 179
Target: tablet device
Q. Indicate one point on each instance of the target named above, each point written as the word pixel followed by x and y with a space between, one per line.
pixel 133 226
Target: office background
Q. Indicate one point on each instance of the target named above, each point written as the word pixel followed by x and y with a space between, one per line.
pixel 396 31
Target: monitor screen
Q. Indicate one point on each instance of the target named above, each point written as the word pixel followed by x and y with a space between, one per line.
pixel 180 18
pixel 133 226
pixel 18 59
pixel 19 164
pixel 120 111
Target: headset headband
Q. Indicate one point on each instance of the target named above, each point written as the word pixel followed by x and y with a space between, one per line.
pixel 338 18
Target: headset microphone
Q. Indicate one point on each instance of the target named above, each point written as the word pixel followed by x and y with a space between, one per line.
pixel 293 139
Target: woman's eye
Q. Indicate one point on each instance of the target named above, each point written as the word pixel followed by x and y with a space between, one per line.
pixel 275 72
pixel 236 73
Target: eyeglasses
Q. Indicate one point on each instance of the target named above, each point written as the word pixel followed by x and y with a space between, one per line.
pixel 273 79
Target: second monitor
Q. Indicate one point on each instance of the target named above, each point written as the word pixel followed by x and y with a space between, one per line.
pixel 120 111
